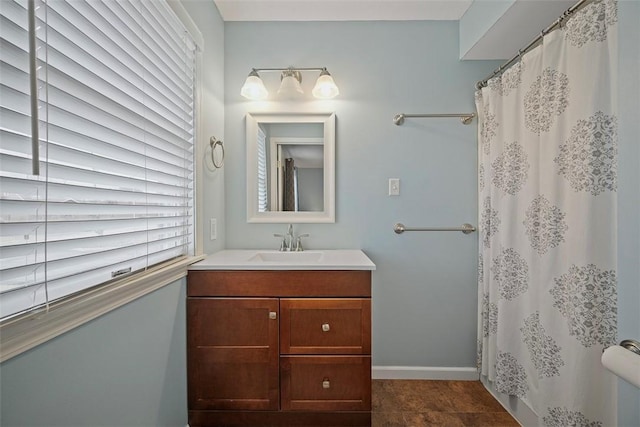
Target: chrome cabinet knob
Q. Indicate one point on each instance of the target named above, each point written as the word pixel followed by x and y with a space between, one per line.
pixel 326 383
pixel 326 327
pixel 273 315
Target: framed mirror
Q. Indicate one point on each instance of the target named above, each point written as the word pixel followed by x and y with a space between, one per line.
pixel 290 167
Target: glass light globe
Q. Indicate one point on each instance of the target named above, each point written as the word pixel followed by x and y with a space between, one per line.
pixel 325 87
pixel 253 88
pixel 290 87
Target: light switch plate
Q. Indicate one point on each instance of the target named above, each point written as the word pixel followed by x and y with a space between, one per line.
pixel 213 228
pixel 394 186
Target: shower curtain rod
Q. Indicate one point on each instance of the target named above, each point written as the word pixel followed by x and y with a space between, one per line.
pixel 482 83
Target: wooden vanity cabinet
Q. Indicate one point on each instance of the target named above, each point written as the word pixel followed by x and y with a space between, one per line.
pixel 288 348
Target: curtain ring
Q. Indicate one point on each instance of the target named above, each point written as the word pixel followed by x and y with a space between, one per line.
pixel 213 143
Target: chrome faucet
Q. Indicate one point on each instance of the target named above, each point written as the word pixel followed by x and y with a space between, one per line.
pixel 298 247
pixel 289 237
pixel 289 242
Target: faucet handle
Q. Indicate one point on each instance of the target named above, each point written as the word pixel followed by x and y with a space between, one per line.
pixel 283 243
pixel 299 242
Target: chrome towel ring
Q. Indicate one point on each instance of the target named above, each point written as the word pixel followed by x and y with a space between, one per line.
pixel 213 143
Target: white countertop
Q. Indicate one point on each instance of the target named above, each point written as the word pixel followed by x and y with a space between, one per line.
pixel 258 259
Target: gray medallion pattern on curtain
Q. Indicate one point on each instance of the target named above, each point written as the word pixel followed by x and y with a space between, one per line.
pixel 545 225
pixel 546 99
pixel 543 349
pixel 588 160
pixel 511 377
pixel 511 169
pixel 490 222
pixel 592 25
pixel 562 417
pixel 509 80
pixel 547 180
pixel 511 273
pixel 490 316
pixel 488 130
pixel 587 298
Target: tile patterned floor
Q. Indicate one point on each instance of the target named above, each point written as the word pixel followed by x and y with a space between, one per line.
pixel 417 403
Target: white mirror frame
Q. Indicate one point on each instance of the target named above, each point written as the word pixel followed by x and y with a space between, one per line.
pixel 328 215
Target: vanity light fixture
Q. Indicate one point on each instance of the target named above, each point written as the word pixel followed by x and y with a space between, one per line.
pixel 254 89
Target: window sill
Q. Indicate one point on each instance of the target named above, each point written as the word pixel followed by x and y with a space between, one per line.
pixel 26 332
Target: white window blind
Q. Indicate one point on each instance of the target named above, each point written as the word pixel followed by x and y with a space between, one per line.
pixel 262 172
pixel 115 92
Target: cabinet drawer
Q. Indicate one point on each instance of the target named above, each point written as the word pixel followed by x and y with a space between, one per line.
pixel 320 383
pixel 325 326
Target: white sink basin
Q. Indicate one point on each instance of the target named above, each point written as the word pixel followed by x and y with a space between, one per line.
pixel 287 257
pixel 261 259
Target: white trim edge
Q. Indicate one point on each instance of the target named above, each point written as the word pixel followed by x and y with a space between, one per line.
pixel 187 21
pixel 424 373
pixel 24 333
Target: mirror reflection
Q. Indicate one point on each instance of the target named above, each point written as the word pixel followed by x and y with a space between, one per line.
pixel 290 168
pixel 295 170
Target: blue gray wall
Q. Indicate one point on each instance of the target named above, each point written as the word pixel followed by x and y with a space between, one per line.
pixel 126 368
pixel 210 194
pixel 629 196
pixel 424 288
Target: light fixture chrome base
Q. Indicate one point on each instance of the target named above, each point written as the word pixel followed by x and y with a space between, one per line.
pixel 289 72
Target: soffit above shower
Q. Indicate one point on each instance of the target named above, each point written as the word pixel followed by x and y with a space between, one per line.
pixel 497 29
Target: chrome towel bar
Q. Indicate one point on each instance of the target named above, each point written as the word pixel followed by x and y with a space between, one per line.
pixel 465 118
pixel 466 228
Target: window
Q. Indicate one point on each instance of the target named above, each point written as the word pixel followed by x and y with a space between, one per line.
pixel 114 130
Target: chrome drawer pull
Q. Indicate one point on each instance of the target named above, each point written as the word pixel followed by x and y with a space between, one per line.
pixel 326 383
pixel 273 315
pixel 326 327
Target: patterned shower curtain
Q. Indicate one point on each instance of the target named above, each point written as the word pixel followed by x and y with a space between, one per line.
pixel 547 203
pixel 290 186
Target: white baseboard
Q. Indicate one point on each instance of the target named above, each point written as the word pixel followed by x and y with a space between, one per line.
pixel 423 373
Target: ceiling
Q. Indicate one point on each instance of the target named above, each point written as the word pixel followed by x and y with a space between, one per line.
pixel 341 10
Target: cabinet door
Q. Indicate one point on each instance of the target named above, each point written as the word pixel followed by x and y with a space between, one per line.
pixel 233 353
pixel 325 326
